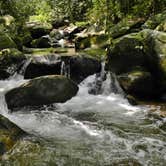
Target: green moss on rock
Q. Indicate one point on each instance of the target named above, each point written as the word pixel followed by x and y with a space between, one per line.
pixel 138 83
pixel 10 61
pixel 155 21
pixel 9 134
pixel 6 41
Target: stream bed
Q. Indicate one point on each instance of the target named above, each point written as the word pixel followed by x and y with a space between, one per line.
pixel 88 130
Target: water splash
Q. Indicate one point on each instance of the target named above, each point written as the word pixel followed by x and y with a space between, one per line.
pixel 104 126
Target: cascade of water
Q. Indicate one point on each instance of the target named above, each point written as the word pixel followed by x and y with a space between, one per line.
pixel 106 83
pixel 99 78
pixel 25 65
pixel 65 69
pixel 62 43
pixel 111 85
pixel 20 72
pixel 47 59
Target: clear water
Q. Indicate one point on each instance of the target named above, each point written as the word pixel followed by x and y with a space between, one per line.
pixel 88 130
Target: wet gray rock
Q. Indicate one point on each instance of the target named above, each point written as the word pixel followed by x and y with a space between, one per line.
pixel 41 91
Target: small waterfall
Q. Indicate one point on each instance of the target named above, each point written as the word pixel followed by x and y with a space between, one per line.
pixel 65 69
pixel 21 70
pixel 115 84
pixel 62 43
pixel 25 65
pixel 99 78
pixel 106 83
pixel 47 59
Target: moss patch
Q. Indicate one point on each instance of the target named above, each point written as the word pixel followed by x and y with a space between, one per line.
pixel 44 51
pixel 95 53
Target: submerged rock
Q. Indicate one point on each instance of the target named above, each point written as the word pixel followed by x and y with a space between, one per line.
pixel 9 134
pixel 10 61
pixel 41 91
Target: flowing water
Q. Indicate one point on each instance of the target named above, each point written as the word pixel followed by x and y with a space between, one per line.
pixel 88 130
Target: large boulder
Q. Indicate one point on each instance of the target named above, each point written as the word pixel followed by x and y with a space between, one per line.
pixel 126 26
pixel 146 49
pixel 98 40
pixel 60 23
pixel 6 41
pixel 82 42
pixel 43 65
pixel 26 38
pixel 161 27
pixel 155 51
pixel 41 91
pixel 139 83
pixel 77 67
pixel 57 34
pixel 73 31
pixel 10 61
pixel 9 134
pixel 155 21
pixel 38 30
pixel 82 67
pixel 42 42
pixel 127 53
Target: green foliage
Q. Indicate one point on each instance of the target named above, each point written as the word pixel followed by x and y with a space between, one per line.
pixel 98 12
pixel 118 9
pixel 43 11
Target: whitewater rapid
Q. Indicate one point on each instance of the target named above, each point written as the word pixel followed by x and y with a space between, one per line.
pixel 106 122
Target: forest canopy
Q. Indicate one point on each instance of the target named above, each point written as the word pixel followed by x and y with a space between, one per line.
pixel 93 11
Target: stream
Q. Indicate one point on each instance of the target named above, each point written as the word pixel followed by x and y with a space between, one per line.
pixel 88 130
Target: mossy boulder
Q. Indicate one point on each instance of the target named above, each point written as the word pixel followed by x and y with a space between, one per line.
pixel 57 34
pixel 7 20
pixel 38 30
pixel 161 27
pixel 91 41
pixel 9 134
pixel 82 42
pixel 6 41
pixel 73 30
pixel 155 21
pixel 60 23
pixel 26 39
pixel 138 83
pixel 127 53
pixel 145 49
pixel 41 91
pixel 42 42
pixel 10 61
pixel 126 26
pixel 155 50
pixel 83 66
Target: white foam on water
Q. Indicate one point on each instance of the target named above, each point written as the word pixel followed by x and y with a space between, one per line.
pixel 107 107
